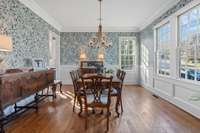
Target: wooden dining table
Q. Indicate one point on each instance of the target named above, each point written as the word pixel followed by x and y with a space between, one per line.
pixel 116 82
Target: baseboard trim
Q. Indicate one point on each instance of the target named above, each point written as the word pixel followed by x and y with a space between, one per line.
pixel 188 108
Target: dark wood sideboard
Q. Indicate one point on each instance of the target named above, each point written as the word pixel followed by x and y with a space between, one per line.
pixel 17 86
pixel 91 67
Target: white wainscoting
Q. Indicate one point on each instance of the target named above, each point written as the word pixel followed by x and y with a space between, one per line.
pixel 132 77
pixel 65 73
pixel 146 74
pixel 176 91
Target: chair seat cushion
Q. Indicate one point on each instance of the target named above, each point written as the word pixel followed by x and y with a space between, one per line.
pixel 91 100
pixel 57 81
pixel 114 91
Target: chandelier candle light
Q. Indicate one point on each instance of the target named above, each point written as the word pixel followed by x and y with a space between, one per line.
pixel 100 40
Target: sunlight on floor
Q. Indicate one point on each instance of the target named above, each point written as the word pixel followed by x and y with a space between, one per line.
pixel 70 95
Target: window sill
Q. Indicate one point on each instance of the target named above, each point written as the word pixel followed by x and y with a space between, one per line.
pixel 194 85
pixel 189 81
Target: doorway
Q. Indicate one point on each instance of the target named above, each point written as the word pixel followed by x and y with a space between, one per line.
pixel 54 52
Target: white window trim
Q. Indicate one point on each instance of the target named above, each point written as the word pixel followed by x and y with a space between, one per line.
pixel 175 60
pixel 164 22
pixel 136 54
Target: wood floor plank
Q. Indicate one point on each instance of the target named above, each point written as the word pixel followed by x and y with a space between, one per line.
pixel 143 113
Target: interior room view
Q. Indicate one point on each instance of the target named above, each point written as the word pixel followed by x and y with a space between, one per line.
pixel 96 66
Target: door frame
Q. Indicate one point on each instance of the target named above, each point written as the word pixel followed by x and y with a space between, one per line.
pixel 55 37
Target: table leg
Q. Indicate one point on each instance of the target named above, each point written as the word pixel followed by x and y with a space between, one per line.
pixel 117 105
pixel 54 91
pixel 61 88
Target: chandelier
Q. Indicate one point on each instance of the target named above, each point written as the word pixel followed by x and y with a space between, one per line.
pixel 100 40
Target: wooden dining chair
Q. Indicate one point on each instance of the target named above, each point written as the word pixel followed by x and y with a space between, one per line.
pixel 122 77
pixel 118 73
pixel 77 90
pixel 78 73
pixel 97 99
pixel 117 91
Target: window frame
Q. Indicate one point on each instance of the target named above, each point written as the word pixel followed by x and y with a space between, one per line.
pixel 174 20
pixel 194 47
pixel 164 47
pixel 121 38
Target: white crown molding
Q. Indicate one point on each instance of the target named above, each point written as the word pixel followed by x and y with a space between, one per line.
pixel 166 6
pixel 31 4
pixel 105 29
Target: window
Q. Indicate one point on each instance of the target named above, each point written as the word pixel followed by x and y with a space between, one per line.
pixel 127 52
pixel 177 44
pixel 52 49
pixel 163 49
pixel 145 56
pixel 189 44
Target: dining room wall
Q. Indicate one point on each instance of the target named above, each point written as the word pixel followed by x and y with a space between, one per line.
pixel 147 41
pixel 29 33
pixel 30 37
pixel 72 42
pixel 176 91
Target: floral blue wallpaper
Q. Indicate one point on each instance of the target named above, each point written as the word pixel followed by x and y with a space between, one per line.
pixel 29 33
pixel 72 42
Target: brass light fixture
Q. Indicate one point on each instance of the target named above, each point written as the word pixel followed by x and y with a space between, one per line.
pixel 100 40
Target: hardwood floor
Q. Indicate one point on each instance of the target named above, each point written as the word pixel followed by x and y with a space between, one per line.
pixel 143 113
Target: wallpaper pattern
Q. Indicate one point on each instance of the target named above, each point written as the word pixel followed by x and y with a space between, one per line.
pixel 30 37
pixel 72 42
pixel 29 33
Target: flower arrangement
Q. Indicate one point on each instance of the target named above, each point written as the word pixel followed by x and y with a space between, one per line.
pixel 109 71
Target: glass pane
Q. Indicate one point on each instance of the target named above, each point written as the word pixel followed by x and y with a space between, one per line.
pixel 183 73
pixel 184 19
pixel 127 60
pixel 164 62
pixel 189 38
pixel 164 52
pixel 198 57
pixel 198 74
pixel 131 60
pixel 190 74
pixel 164 34
pixel 187 58
pixel 189 26
pixel 122 52
pixel 193 20
pixel 130 48
pixel 127 52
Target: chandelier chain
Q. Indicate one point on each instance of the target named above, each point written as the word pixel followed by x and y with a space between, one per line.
pixel 100 19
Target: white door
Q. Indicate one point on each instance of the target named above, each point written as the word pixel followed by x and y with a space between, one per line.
pixel 54 52
pixel 128 59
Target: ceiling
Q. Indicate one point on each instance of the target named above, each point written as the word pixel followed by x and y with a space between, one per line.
pixel 118 15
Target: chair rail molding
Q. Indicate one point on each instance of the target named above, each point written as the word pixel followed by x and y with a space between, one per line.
pixel 132 77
